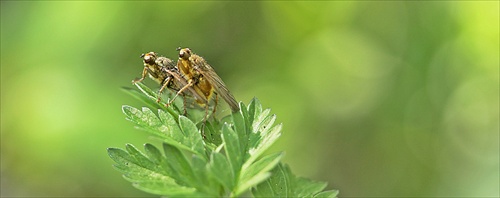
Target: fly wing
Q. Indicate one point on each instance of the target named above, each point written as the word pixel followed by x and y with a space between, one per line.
pixel 209 74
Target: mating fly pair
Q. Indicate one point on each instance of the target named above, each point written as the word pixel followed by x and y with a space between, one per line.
pixel 191 76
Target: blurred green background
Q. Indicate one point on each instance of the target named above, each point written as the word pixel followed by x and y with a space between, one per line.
pixel 377 98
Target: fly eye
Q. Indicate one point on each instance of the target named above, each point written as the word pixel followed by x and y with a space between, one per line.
pixel 182 54
pixel 149 58
pixel 185 53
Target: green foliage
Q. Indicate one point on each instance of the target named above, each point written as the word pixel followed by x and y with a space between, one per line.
pixel 283 183
pixel 229 161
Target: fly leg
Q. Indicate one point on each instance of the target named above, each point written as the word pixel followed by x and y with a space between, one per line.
pixel 191 83
pixel 184 105
pixel 165 84
pixel 216 102
pixel 144 72
pixel 204 122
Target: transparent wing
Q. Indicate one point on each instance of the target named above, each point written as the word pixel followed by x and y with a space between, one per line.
pixel 209 74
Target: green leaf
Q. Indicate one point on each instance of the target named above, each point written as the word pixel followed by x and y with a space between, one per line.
pixel 308 187
pixel 153 97
pixel 170 126
pixel 241 129
pixel 147 91
pixel 140 96
pixel 254 138
pixel 161 187
pixel 278 185
pixel 166 129
pixel 257 172
pixel 259 118
pixel 144 119
pixel 218 167
pixel 260 144
pixel 254 109
pixel 192 137
pixel 150 97
pixel 283 183
pixel 141 159
pixel 182 171
pixel 232 147
pixel 213 133
pixel 329 193
pixel 206 183
pixel 121 157
pixel 246 119
pixel 145 174
pixel 153 153
pixel 226 160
